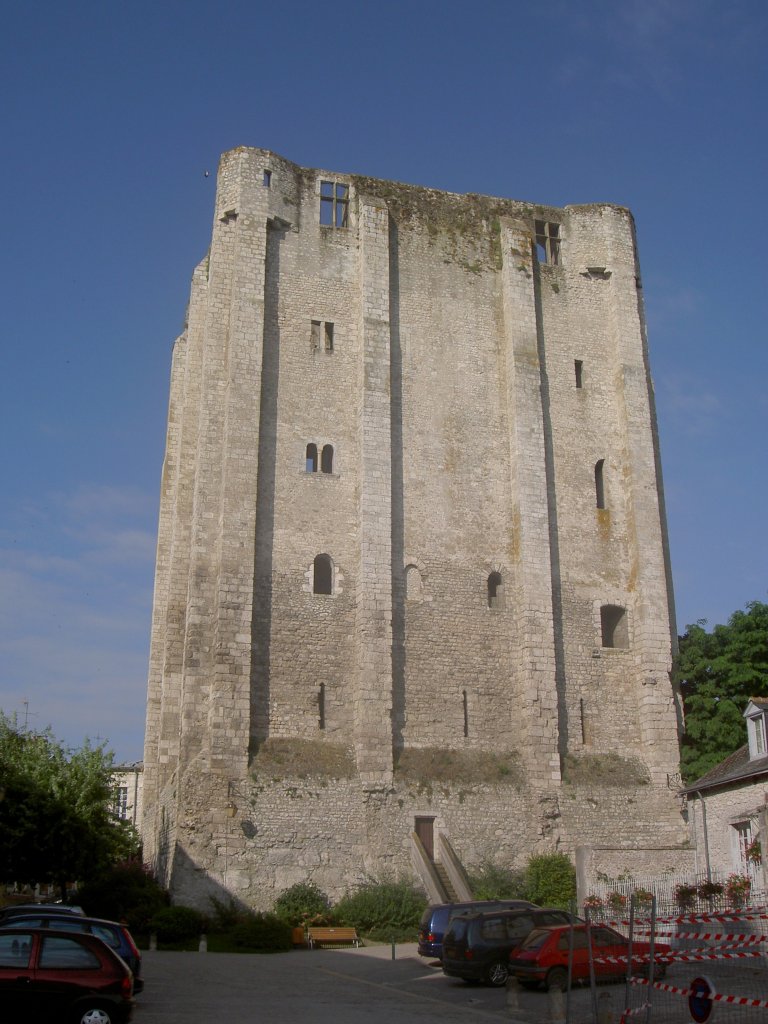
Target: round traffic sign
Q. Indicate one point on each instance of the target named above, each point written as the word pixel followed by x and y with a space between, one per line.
pixel 700 1001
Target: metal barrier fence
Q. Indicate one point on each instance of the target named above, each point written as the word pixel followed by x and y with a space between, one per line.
pixel 678 968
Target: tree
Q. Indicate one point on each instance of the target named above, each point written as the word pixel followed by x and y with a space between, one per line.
pixel 56 820
pixel 717 673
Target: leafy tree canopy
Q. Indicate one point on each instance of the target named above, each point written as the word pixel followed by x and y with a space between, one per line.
pixel 717 673
pixel 56 819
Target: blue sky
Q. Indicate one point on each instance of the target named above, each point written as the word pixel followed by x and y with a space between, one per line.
pixel 112 112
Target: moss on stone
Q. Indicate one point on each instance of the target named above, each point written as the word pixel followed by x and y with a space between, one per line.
pixel 426 765
pixel 605 770
pixel 302 758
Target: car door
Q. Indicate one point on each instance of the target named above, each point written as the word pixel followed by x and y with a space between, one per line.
pixel 17 994
pixel 65 968
pixel 608 949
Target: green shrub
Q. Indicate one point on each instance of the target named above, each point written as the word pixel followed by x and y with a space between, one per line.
pixel 262 932
pixel 382 909
pixel 175 924
pixel 301 904
pixel 550 880
pixel 491 881
pixel 126 892
pixel 226 914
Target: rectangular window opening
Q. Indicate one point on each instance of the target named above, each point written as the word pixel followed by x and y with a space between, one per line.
pixel 334 204
pixel 578 367
pixel 329 337
pixel 759 723
pixel 547 242
pixel 314 334
pixel 267 179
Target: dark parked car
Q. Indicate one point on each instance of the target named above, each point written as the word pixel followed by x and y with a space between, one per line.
pixel 17 909
pixel 436 918
pixel 62 976
pixel 477 948
pixel 114 934
pixel 543 956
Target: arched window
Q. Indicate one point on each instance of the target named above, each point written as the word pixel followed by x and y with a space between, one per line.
pixel 322 576
pixel 326 459
pixel 412 583
pixel 599 489
pixel 614 627
pixel 495 591
pixel 311 458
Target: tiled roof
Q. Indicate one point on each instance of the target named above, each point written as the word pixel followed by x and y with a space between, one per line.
pixel 737 767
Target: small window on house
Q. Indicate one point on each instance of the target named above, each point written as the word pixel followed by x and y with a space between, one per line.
pixel 741 840
pixel 267 179
pixel 329 337
pixel 334 204
pixel 321 706
pixel 614 627
pixel 314 334
pixel 548 242
pixel 495 591
pixel 311 464
pixel 758 731
pixel 578 366
pixel 326 459
pixel 599 490
pixel 322 581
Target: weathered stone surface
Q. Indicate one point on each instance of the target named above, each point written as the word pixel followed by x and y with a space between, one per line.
pixel 460 386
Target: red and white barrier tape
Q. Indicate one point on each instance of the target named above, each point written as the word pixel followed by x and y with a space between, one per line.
pixel 716 997
pixel 671 958
pixel 745 938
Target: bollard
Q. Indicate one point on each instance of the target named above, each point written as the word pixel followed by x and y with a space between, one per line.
pixel 605 1013
pixel 393 947
pixel 513 996
pixel 153 941
pixel 203 947
pixel 556 1006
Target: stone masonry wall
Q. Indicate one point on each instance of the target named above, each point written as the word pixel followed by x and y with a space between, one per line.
pixel 457 386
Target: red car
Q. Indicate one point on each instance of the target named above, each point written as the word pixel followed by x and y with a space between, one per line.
pixel 543 956
pixel 47 975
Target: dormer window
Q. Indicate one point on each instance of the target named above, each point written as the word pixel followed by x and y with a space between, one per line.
pixel 755 714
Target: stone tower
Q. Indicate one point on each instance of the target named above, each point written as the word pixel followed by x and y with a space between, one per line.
pixel 412 568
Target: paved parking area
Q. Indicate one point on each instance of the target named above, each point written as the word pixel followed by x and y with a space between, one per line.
pixel 365 986
pixel 349 986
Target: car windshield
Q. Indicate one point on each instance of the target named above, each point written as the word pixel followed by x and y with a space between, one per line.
pixel 536 939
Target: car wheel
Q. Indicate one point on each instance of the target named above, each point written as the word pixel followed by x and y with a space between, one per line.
pixel 497 974
pixel 557 978
pixel 93 1015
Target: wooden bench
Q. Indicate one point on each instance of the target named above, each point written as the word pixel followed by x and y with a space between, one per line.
pixel 332 937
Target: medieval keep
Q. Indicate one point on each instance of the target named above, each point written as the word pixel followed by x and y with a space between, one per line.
pixel 412 604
